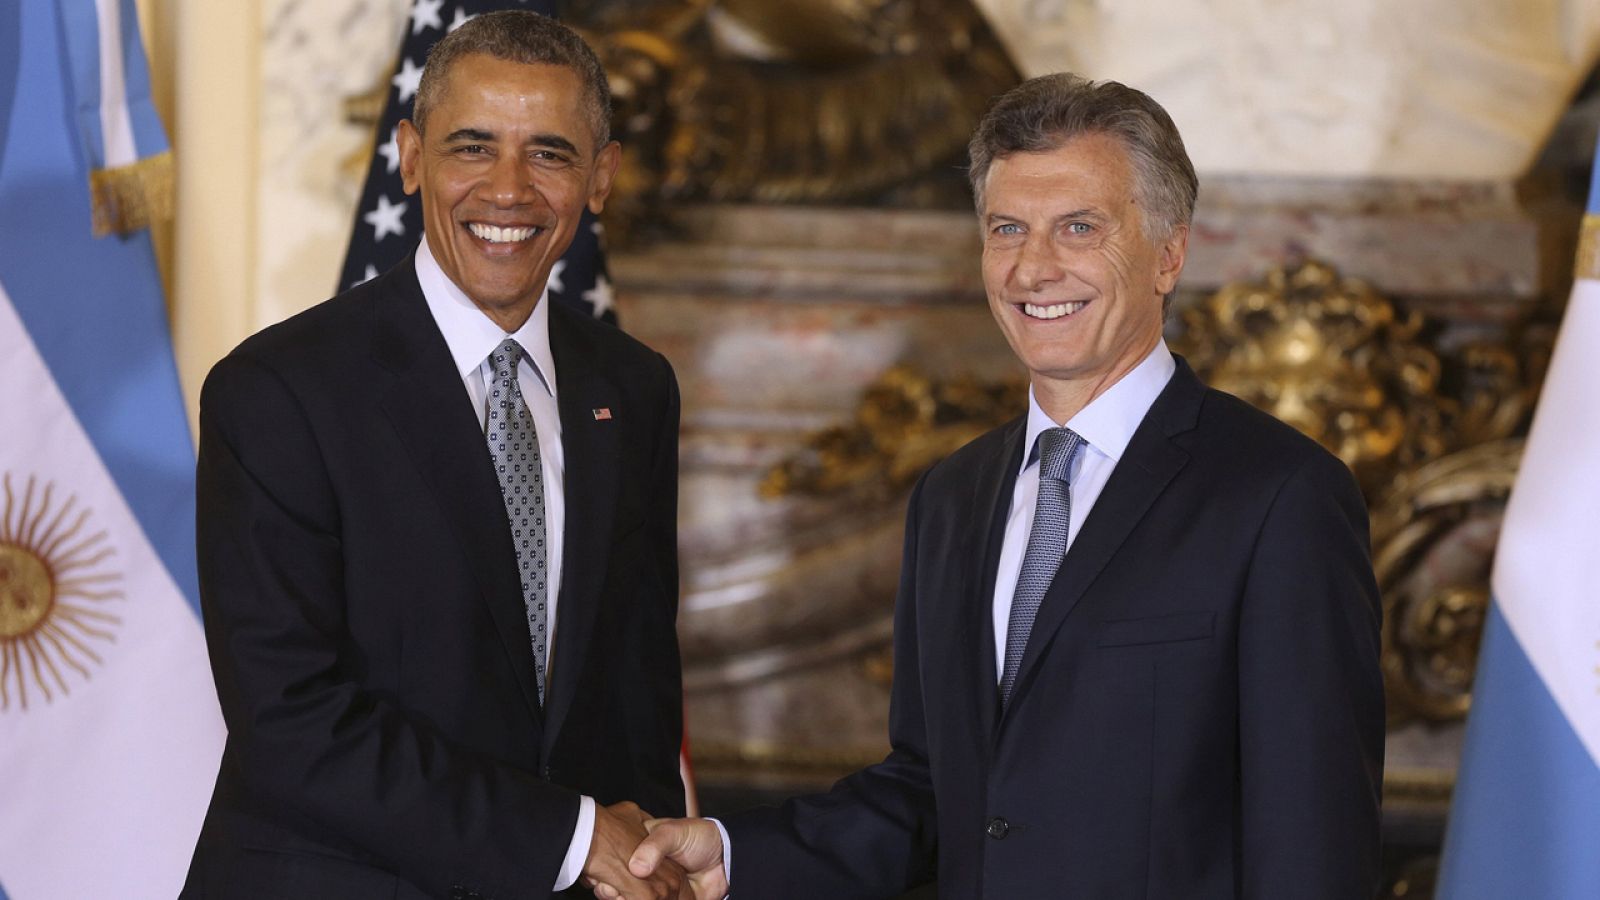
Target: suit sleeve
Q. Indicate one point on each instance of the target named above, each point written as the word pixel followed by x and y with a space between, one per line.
pixel 873 834
pixel 314 746
pixel 1311 707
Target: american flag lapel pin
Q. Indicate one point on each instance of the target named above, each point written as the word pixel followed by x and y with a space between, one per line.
pixel 602 414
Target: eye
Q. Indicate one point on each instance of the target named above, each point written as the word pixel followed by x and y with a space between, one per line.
pixel 1008 228
pixel 1079 228
pixel 550 157
pixel 472 149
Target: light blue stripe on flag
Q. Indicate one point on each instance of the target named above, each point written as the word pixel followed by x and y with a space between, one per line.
pixel 148 134
pixel 92 306
pixel 81 48
pixel 1525 818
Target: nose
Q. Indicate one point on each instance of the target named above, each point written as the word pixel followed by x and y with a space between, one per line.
pixel 1036 265
pixel 509 183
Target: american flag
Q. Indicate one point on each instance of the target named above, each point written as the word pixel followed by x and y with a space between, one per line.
pixel 388 223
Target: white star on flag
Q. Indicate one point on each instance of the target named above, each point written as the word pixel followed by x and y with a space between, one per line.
pixel 553 283
pixel 460 19
pixel 426 15
pixel 407 79
pixel 391 150
pixel 385 220
pixel 371 273
pixel 600 296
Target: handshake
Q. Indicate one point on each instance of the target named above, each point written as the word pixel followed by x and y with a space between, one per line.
pixel 635 857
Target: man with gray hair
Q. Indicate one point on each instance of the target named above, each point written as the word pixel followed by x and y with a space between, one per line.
pixel 437 534
pixel 1136 637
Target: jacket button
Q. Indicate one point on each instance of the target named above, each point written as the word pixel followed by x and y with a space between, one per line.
pixel 998 828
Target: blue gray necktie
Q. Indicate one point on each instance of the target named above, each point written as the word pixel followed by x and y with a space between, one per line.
pixel 514 444
pixel 1047 546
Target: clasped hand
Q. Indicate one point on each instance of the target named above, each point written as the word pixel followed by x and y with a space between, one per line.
pixel 635 857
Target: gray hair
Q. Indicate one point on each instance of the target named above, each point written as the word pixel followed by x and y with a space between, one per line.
pixel 1043 113
pixel 518 36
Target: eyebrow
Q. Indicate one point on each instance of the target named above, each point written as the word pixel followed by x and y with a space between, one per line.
pixel 553 141
pixel 1086 212
pixel 468 134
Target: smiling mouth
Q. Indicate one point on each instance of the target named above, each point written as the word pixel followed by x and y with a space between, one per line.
pixel 496 234
pixel 1053 311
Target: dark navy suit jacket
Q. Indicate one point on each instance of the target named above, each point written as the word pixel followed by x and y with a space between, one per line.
pixel 365 620
pixel 1199 711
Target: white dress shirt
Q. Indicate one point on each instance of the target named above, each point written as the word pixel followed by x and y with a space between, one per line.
pixel 1106 425
pixel 472 337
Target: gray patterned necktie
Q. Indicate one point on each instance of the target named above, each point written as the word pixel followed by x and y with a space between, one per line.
pixel 514 444
pixel 1047 546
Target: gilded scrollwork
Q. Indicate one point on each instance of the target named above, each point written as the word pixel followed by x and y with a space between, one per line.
pixel 784 102
pixel 1434 533
pixel 1344 365
pixel 906 422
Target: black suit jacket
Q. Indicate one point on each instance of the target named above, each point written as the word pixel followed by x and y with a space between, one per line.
pixel 1199 710
pixel 365 620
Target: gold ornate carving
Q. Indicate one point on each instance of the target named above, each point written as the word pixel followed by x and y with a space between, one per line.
pixel 1331 357
pixel 1434 533
pixel 906 422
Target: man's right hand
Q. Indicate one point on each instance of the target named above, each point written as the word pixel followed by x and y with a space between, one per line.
pixel 694 844
pixel 618 830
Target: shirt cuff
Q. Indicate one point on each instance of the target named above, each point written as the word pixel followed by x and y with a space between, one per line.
pixel 578 850
pixel 727 856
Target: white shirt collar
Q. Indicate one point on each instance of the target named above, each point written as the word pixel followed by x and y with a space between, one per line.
pixel 1108 422
pixel 470 334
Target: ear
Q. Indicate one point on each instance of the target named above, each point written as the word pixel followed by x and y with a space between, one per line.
pixel 410 142
pixel 1169 265
pixel 605 172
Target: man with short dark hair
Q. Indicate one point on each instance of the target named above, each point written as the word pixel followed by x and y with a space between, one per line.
pixel 437 526
pixel 1136 637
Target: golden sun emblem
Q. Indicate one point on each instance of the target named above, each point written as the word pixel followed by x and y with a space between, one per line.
pixel 52 576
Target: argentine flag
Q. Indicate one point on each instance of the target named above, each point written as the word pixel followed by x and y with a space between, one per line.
pixel 109 729
pixel 1525 820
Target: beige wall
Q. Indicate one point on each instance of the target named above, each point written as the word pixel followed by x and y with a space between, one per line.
pixel 252 94
pixel 204 73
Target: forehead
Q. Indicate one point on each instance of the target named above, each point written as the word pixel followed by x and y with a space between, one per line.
pixel 1088 170
pixel 479 84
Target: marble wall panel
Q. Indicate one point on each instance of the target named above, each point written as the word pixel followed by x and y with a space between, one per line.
pixel 310 164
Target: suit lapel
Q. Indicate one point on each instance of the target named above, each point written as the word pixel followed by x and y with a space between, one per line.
pixel 428 407
pixel 590 448
pixel 991 503
pixel 1149 464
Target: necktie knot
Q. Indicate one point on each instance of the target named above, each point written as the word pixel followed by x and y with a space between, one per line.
pixel 505 359
pixel 1056 449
